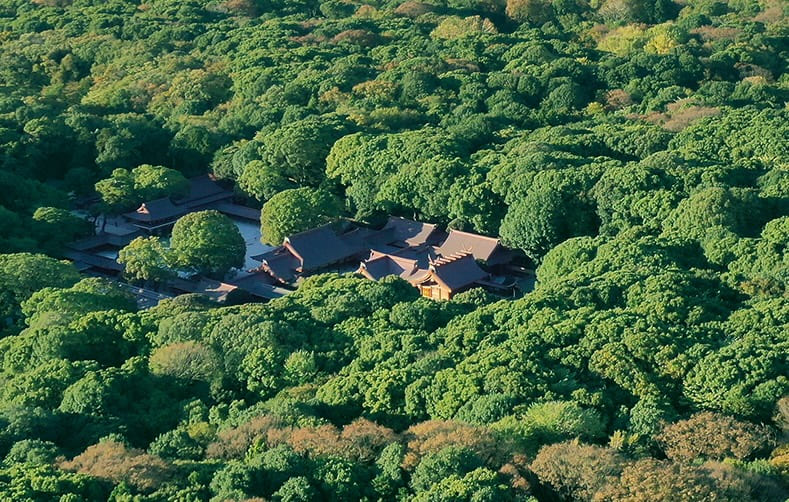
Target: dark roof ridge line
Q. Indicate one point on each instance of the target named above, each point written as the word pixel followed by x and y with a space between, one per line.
pixel 309 230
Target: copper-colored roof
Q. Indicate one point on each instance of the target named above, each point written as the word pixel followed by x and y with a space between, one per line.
pixel 408 232
pixel 457 271
pixel 481 247
pixel 380 265
pixel 401 248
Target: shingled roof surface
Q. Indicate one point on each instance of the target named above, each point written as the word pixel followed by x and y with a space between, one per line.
pixel 483 248
pixel 323 246
pixel 402 247
pixel 408 232
pixel 155 210
pixel 380 265
pixel 202 190
pixel 280 263
pixel 458 271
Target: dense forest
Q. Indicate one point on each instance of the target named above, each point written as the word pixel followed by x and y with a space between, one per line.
pixel 636 150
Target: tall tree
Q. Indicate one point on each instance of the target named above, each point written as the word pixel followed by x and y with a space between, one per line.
pixel 147 259
pixel 208 242
pixel 295 210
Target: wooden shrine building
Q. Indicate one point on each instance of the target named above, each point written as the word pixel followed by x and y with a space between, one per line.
pixel 155 215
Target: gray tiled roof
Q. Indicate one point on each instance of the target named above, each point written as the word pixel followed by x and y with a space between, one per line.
pixel 203 187
pixel 156 210
pixel 202 190
pixel 279 263
pixel 323 246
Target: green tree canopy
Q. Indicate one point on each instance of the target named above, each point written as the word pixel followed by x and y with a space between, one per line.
pixel 208 242
pixel 23 274
pixel 123 190
pixel 147 259
pixel 296 210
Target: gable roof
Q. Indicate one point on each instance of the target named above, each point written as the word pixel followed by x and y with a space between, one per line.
pixel 323 246
pixel 408 232
pixel 380 265
pixel 481 247
pixel 215 290
pixel 456 271
pixel 155 210
pixel 403 248
pixel 202 190
pixel 248 213
pixel 279 263
pixel 259 284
